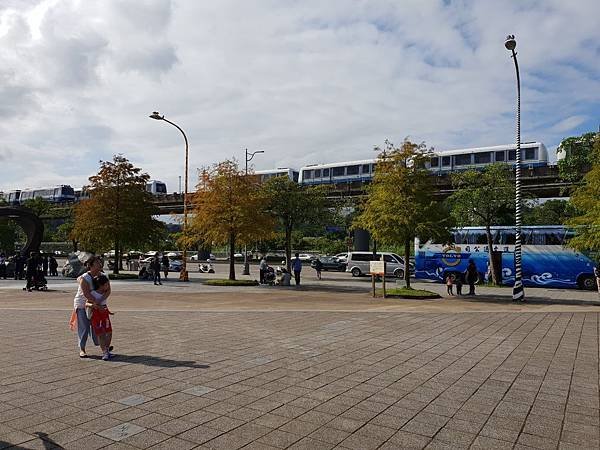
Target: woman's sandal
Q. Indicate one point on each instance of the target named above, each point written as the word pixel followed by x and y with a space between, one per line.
pixel 83 354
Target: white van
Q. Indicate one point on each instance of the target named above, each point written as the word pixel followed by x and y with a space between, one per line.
pixel 359 263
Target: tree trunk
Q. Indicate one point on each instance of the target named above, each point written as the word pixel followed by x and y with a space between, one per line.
pixel 231 257
pixel 488 234
pixel 288 248
pixel 406 262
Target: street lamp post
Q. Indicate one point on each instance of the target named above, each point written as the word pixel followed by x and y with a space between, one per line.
pixel 246 263
pixel 518 293
pixel 183 275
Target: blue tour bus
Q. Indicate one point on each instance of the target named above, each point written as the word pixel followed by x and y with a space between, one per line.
pixel 547 262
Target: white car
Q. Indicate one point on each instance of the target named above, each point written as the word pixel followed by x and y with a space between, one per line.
pixel 306 257
pixel 342 257
pixel 195 257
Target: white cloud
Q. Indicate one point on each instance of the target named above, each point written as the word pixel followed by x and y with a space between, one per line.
pixel 307 81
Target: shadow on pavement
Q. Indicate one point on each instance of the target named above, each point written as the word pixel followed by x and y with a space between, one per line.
pixel 532 300
pixel 48 443
pixel 156 361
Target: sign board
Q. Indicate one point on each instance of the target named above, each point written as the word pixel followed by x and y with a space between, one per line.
pixel 377 267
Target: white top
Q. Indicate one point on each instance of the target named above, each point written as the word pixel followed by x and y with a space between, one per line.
pixel 79 301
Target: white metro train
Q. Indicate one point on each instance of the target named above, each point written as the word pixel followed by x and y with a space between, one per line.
pixel 533 154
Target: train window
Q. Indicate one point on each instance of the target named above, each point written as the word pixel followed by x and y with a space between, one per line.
pixel 512 155
pixel 325 173
pixel 529 153
pixel 499 156
pixel 445 160
pixel 366 168
pixel 483 158
pixel 352 170
pixel 434 162
pixel 337 171
pixel 307 174
pixel 295 176
pixel 317 173
pixel 462 160
pixel 554 238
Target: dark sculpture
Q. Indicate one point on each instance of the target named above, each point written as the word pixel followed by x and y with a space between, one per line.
pixel 29 222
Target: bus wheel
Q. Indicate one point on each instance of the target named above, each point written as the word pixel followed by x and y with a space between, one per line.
pixel 399 273
pixel 587 282
pixel 356 272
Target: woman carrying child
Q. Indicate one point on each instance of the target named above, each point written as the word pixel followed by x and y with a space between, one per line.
pixel 84 295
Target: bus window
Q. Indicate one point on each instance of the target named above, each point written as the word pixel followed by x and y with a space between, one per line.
pixel 352 170
pixel 554 238
pixel 476 237
pixel 483 158
pixel 569 234
pixel 507 237
pixel 499 156
pixel 460 237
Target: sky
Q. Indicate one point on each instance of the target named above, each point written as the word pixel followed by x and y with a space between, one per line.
pixel 306 81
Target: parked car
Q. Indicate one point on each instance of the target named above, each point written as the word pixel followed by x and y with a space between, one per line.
pixel 174 254
pixel 175 265
pixel 305 257
pixel 196 256
pixel 342 256
pixel 359 263
pixel 330 263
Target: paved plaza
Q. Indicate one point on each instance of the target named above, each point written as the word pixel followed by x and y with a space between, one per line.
pixel 321 367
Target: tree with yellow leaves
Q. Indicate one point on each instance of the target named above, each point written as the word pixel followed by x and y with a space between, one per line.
pixel 228 208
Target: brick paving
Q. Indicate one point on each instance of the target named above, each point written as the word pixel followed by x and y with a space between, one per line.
pixel 303 380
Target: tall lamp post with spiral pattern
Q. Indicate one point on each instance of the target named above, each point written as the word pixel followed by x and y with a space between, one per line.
pixel 518 293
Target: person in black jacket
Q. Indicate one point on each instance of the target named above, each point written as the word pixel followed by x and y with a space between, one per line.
pixel 472 277
pixel 155 265
pixel 32 271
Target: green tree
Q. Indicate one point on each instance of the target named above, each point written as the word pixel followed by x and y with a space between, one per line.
pixel 586 200
pixel 400 205
pixel 38 205
pixel 119 212
pixel 293 206
pixel 576 153
pixel 483 198
pixel 551 212
pixel 228 209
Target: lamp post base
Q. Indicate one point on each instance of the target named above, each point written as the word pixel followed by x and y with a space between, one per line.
pixel 183 275
pixel 246 268
pixel 518 292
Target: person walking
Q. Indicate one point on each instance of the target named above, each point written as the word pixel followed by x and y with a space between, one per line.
pixel 2 265
pixel 458 282
pixel 19 266
pixel 45 261
pixel 297 268
pixel 449 284
pixel 32 271
pixel 472 276
pixel 318 268
pixel 53 266
pixel 165 265
pixel 156 269
pixel 597 275
pixel 262 269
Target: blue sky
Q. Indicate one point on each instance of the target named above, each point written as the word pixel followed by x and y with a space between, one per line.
pixel 307 82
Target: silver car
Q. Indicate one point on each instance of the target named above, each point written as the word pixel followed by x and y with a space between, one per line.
pixel 358 263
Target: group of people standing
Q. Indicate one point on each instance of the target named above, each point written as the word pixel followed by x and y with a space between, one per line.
pixel 470 276
pixel 17 266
